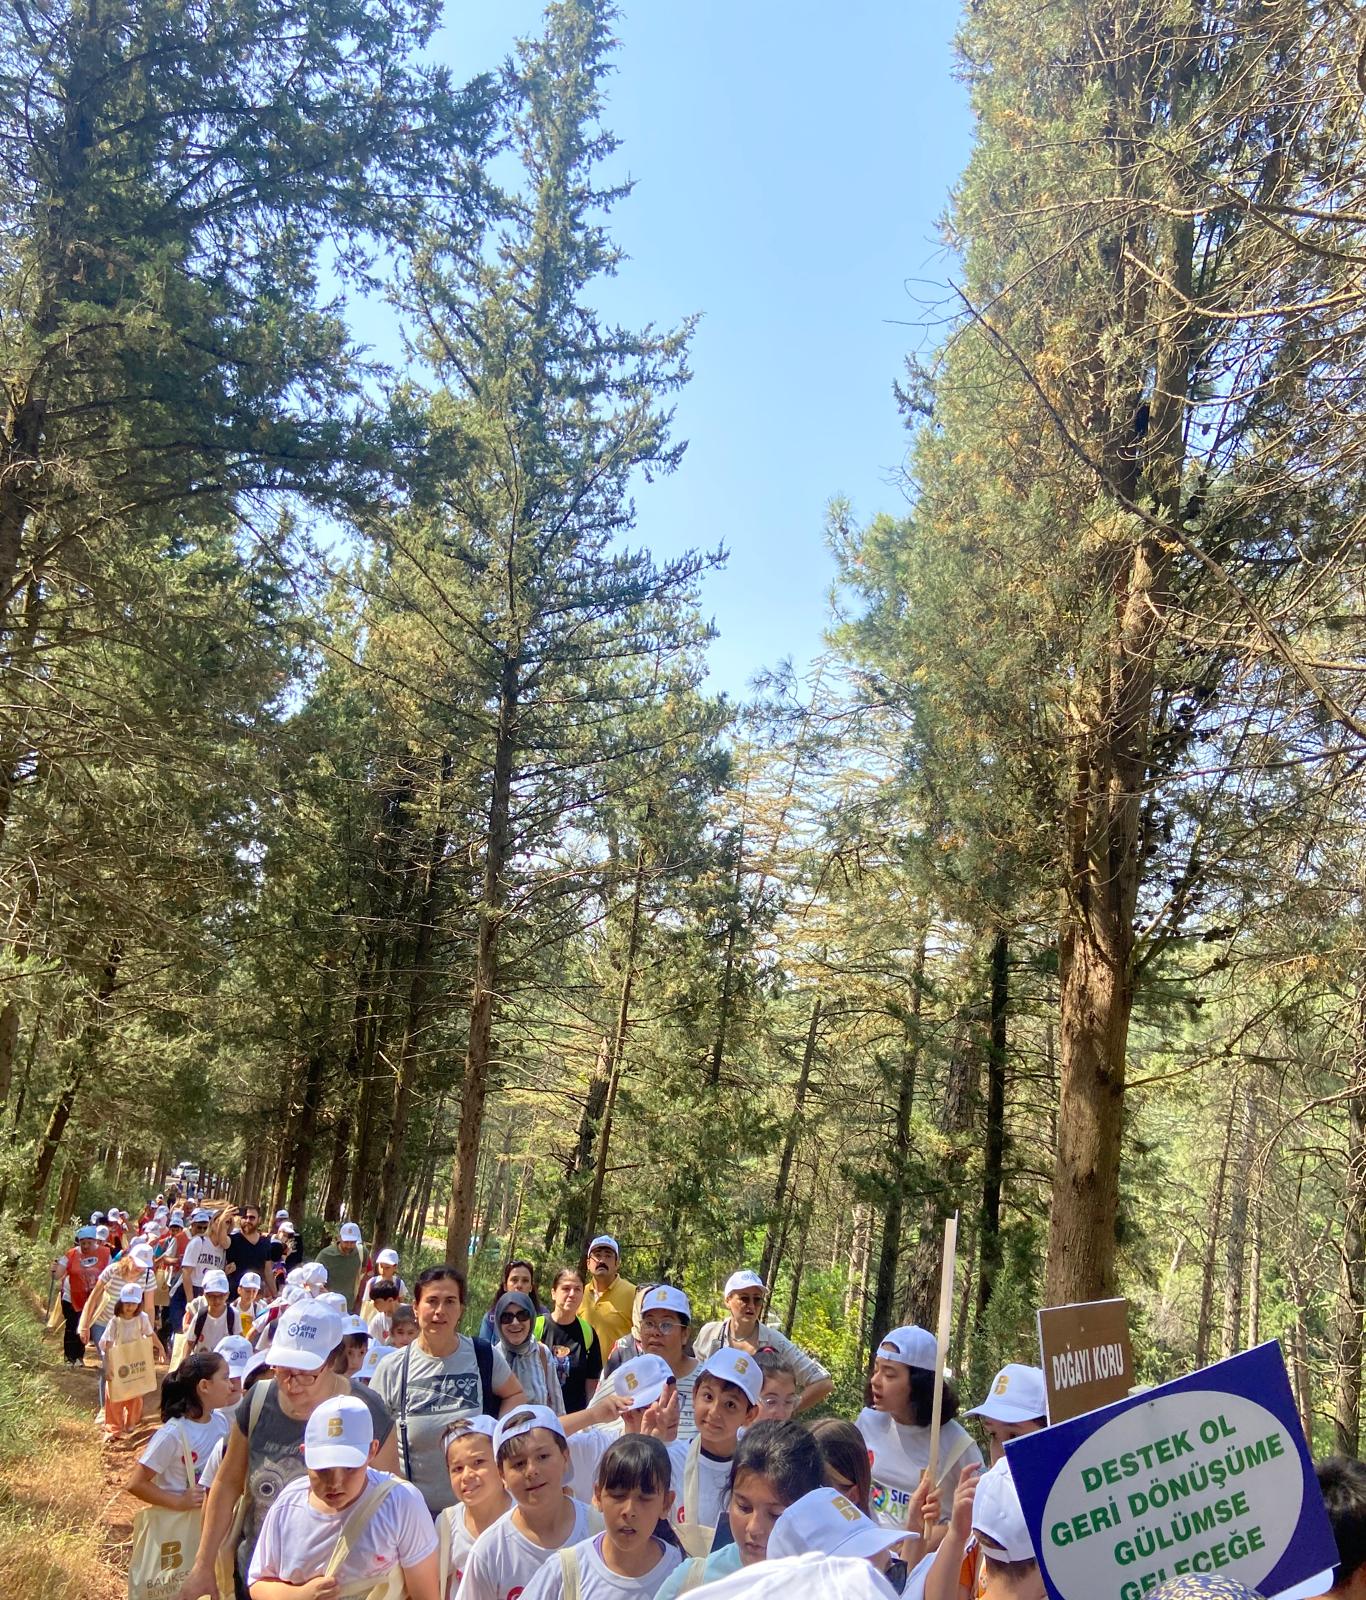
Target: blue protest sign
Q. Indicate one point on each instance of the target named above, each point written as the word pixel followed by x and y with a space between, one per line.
pixel 1209 1473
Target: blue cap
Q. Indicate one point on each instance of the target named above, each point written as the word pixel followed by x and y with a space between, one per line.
pixel 86 1232
pixel 201 1215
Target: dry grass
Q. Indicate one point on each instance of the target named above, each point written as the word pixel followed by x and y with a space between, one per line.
pixel 63 1517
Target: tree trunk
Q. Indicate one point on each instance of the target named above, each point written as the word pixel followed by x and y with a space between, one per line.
pixel 1205 1317
pixel 1236 1249
pixel 623 1019
pixel 794 1126
pixel 899 1162
pixel 993 1164
pixel 718 1051
pixel 794 1294
pixel 96 1007
pixel 1352 1270
pixel 484 996
pixel 335 1189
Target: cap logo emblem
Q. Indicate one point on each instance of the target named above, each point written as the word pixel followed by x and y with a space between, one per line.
pixel 846 1509
pixel 741 1365
pixel 301 1330
pixel 631 1381
pixel 1002 1384
pixel 335 1428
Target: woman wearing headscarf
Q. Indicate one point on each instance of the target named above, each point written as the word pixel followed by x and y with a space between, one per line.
pixel 532 1363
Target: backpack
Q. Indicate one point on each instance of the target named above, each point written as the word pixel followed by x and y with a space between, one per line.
pixel 197 1335
pixel 585 1329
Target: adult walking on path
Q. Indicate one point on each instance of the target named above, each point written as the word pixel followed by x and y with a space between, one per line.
pixel 343 1261
pixel 250 1250
pixel 441 1378
pixel 78 1271
pixel 265 1439
pixel 610 1297
pixel 745 1294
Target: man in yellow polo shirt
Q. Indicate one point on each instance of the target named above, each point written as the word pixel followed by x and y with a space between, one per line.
pixel 609 1298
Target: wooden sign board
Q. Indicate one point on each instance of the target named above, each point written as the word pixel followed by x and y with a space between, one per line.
pixel 1088 1361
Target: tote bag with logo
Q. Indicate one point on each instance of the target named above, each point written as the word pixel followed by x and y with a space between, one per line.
pixel 132 1370
pixel 164 1544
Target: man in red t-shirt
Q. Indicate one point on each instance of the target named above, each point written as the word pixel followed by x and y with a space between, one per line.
pixel 78 1269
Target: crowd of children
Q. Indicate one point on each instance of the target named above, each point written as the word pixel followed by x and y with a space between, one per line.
pixel 318 1442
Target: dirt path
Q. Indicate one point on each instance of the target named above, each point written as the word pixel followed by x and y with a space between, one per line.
pixel 65 1523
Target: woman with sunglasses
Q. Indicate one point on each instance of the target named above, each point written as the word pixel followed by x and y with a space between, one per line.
pixel 531 1362
pixel 265 1441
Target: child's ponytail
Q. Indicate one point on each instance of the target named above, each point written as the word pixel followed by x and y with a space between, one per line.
pixel 639 1462
pixel 180 1388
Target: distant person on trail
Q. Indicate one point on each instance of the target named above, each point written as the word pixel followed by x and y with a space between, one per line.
pixel 250 1250
pixel 77 1273
pixel 745 1294
pixel 343 1262
pixel 896 1427
pixel 386 1271
pixel 610 1296
pixel 571 1339
pixel 128 1324
pixel 205 1251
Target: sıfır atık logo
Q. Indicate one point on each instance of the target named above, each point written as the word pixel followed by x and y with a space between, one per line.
pixel 302 1330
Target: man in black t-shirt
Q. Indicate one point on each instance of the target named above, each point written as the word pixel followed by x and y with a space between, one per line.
pixel 249 1250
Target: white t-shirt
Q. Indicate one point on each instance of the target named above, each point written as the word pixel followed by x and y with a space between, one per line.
pixel 899 1454
pixel 201 1256
pixel 216 1329
pixel 503 1560
pixel 597 1581
pixel 122 1330
pixel 297 1539
pixel 451 1527
pixel 209 1471
pixel 586 1449
pixel 162 1454
pixel 705 1475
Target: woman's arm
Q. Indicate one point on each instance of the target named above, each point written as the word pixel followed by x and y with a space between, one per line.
pixel 142 1485
pixel 386 1457
pixel 511 1393
pixel 227 1487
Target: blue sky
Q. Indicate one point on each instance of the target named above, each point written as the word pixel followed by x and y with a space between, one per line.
pixel 791 161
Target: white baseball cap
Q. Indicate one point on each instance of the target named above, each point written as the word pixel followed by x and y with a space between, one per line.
pixel 744 1279
pixel 305 1337
pixel 336 1302
pixel 463 1427
pixel 237 1352
pixel 608 1240
pixel 912 1346
pixel 641 1380
pixel 522 1419
pixel 665 1297
pixel 249 1280
pixel 338 1433
pixel 282 1215
pixel 141 1255
pixel 375 1352
pixel 177 1219
pixel 737 1367
pixel 353 1323
pixel 808 1577
pixel 828 1522
pixel 102 1232
pixel 286 1227
pixel 216 1282
pixel 200 1215
pixel 996 1513
pixel 350 1231
pixel 131 1294
pixel 387 1258
pixel 1017 1394
pixel 313 1273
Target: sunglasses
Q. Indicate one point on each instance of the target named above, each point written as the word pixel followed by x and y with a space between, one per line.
pixel 513 1316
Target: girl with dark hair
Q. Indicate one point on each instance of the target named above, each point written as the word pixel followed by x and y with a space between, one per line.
pixel 896 1430
pixel 636 1551
pixel 846 1460
pixel 191 1426
pixel 519 1277
pixel 774 1465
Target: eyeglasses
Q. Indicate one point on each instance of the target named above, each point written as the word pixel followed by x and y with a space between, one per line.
pixel 513 1316
pixel 662 1324
pixel 292 1375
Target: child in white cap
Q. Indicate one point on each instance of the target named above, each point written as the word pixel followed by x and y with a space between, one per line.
pixel 725 1400
pixel 636 1550
pixel 1016 1404
pixel 386 1271
pixel 344 1522
pixel 480 1496
pixel 209 1319
pixel 829 1523
pixel 986 1529
pixel 129 1324
pixel 248 1302
pixel 896 1428
pixel 532 1454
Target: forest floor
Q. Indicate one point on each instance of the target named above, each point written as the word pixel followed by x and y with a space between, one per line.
pixel 65 1524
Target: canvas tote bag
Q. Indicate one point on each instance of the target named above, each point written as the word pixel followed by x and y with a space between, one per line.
pixel 164 1544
